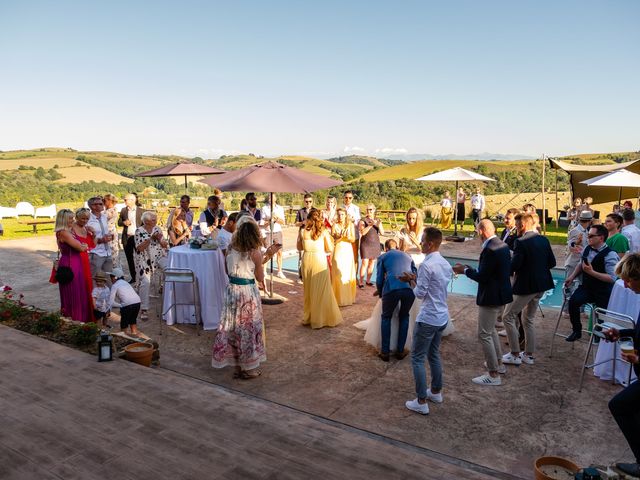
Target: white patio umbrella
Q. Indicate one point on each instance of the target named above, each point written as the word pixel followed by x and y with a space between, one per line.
pixel 618 178
pixel 457 174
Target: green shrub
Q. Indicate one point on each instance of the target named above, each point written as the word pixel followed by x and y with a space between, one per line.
pixel 48 323
pixel 84 334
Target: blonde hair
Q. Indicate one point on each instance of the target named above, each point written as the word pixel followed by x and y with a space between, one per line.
pixel 629 267
pixel 62 219
pixel 346 217
pixel 418 228
pixel 82 211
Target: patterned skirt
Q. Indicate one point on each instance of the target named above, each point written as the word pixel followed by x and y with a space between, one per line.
pixel 240 338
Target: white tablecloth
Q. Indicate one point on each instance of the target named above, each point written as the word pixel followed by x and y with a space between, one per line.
pixel 208 266
pixel 622 300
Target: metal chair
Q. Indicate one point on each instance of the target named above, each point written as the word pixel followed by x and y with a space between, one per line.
pixel 566 294
pixel 616 320
pixel 182 276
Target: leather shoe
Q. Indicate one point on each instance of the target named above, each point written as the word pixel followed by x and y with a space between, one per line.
pixel 383 356
pixel 632 469
pixel 401 355
pixel 574 336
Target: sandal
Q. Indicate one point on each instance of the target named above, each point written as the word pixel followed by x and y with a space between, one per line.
pixel 248 376
pixel 370 284
pixel 360 285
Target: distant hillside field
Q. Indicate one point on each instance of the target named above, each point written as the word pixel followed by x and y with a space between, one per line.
pixel 418 169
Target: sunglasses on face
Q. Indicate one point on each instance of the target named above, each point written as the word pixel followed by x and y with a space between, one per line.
pixel 348 198
pixel 593 235
pixel 308 201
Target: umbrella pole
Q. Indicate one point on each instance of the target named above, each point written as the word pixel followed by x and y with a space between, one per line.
pixel 620 196
pixel 185 185
pixel 455 212
pixel 271 230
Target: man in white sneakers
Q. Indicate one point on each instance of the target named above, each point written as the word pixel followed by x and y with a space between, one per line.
pixel 494 292
pixel 430 286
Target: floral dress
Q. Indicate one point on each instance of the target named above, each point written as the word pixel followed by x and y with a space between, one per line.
pixel 112 216
pixel 240 338
pixel 146 261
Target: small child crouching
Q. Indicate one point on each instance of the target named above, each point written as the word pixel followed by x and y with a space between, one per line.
pixel 129 302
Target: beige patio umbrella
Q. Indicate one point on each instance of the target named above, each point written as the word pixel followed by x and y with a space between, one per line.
pixel 456 174
pixel 618 178
pixel 271 177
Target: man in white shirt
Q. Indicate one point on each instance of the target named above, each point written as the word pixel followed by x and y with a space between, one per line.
pixel 477 206
pixel 226 232
pixel 213 216
pixel 430 285
pixel 630 230
pixel 99 257
pixel 576 241
pixel 353 212
pixel 278 221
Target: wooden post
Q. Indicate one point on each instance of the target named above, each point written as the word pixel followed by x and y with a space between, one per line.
pixel 557 211
pixel 544 199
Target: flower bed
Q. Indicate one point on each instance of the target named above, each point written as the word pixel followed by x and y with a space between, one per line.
pixel 50 325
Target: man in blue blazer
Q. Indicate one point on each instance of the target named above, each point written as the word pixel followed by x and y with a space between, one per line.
pixel 393 291
pixel 532 262
pixel 494 292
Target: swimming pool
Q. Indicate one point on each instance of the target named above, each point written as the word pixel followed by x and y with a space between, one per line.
pixel 461 284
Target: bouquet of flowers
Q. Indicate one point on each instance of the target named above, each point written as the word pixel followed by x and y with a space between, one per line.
pixel 196 242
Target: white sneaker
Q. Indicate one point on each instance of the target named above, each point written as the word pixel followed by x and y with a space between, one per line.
pixel 502 333
pixel 511 359
pixel 416 406
pixel 281 275
pixel 434 397
pixel 528 359
pixel 487 380
pixel 501 368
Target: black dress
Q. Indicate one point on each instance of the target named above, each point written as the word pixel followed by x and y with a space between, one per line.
pixel 370 242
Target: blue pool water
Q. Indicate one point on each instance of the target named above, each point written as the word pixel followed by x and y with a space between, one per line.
pixel 463 285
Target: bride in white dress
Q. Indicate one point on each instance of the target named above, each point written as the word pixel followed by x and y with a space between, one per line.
pixel 409 242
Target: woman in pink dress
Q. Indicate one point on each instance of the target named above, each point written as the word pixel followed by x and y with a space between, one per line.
pixel 73 242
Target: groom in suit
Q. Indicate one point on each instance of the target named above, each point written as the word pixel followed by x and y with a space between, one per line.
pixel 494 292
pixel 392 264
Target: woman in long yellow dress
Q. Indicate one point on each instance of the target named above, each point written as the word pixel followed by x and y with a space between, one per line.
pixel 343 270
pixel 446 211
pixel 320 306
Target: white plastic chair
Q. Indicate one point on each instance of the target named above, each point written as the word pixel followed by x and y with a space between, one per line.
pixel 49 211
pixel 8 212
pixel 616 320
pixel 25 208
pixel 182 276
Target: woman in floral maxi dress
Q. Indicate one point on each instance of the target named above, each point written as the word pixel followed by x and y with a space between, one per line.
pixel 240 338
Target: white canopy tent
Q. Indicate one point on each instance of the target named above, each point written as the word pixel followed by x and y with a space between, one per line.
pixel 457 174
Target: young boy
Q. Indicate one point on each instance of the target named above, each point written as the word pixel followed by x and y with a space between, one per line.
pixel 100 297
pixel 129 302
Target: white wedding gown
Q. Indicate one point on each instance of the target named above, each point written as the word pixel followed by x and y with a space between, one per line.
pixel 372 325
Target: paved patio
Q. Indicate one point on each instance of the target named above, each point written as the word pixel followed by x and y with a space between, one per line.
pixel 333 374
pixel 64 415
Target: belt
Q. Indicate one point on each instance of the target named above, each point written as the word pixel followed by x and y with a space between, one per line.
pixel 242 281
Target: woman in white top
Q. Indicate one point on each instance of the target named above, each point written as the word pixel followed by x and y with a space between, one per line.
pixel 410 234
pixel 149 256
pixel 461 197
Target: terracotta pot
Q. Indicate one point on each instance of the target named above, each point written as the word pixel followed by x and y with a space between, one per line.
pixel 555 461
pixel 139 353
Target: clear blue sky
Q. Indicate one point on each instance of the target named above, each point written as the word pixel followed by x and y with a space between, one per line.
pixel 276 77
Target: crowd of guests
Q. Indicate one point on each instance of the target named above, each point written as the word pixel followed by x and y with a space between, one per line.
pixel 457 213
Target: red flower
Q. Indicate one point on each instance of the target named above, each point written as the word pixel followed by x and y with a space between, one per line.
pixel 7 288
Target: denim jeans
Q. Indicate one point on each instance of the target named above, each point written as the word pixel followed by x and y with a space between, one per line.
pixel 426 343
pixel 390 300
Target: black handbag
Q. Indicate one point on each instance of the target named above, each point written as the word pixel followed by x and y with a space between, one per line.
pixel 64 275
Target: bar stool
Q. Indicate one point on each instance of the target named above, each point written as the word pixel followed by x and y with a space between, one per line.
pixel 566 294
pixel 182 276
pixel 612 319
